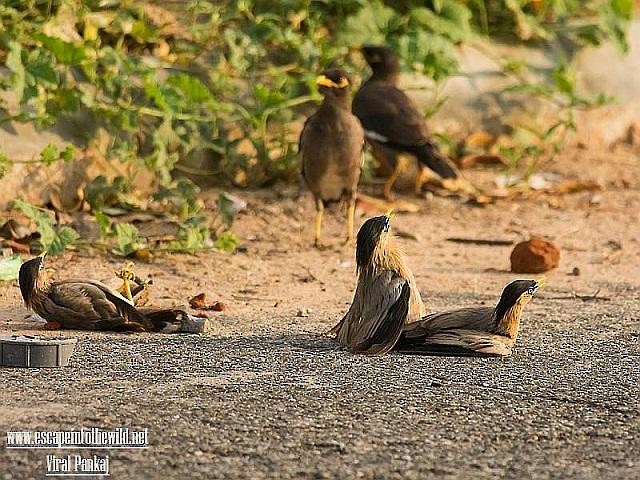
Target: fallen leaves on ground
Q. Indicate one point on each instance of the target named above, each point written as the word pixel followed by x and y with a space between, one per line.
pixel 199 302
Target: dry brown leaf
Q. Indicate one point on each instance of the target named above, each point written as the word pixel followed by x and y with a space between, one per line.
pixel 479 139
pixel 199 302
pixel 574 186
pixel 469 161
pixel 373 205
pixel 17 246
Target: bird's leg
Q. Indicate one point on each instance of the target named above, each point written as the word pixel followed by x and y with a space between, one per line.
pixel 126 284
pixel 425 175
pixel 127 275
pixel 319 212
pixel 388 185
pixel 420 179
pixel 351 212
pixel 52 326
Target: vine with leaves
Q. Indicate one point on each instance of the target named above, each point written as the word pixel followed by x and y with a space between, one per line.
pixel 224 80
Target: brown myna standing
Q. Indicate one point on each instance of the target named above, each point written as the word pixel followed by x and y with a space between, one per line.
pixel 476 331
pixel 386 295
pixel 392 123
pixel 331 146
pixel 89 304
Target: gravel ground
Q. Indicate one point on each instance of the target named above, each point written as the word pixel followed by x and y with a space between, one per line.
pixel 267 396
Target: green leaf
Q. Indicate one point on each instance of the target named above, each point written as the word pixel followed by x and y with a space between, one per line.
pixel 40 67
pixel 14 63
pixel 165 96
pixel 623 8
pixel 68 153
pixel 50 154
pixel 104 222
pixel 451 21
pixel 64 236
pixel 227 242
pixel 44 220
pixel 65 52
pixel 5 162
pixel 193 89
pixel 373 23
pixel 564 80
pixel 101 193
pixel 52 239
pixel 191 238
pixel 9 268
pixel 127 239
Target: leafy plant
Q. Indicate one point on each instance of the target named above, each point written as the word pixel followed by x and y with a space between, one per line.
pixel 227 78
pixel 128 239
pixel 9 268
pixel 231 81
pixel 53 239
pixel 227 242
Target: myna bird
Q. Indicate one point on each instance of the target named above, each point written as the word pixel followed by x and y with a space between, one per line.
pixel 331 146
pixel 386 295
pixel 392 123
pixel 88 304
pixel 476 331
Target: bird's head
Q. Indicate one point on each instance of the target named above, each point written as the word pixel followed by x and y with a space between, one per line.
pixel 30 274
pixel 373 239
pixel 518 293
pixel 334 82
pixel 382 59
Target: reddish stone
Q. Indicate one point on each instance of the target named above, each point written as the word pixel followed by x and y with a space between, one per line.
pixel 534 256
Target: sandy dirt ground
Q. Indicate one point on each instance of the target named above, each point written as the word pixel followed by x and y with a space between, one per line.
pixel 266 395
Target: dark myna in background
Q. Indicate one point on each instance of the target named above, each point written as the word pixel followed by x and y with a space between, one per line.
pixel 331 146
pixel 88 304
pixel 477 331
pixel 386 295
pixel 392 123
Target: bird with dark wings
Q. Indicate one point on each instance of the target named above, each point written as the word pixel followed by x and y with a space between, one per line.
pixel 476 331
pixel 392 123
pixel 89 304
pixel 331 146
pixel 387 312
pixel 386 294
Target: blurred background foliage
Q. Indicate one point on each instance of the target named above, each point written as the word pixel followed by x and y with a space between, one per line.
pixel 224 80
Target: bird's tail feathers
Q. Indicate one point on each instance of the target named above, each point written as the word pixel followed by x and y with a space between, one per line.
pixel 165 320
pixel 430 155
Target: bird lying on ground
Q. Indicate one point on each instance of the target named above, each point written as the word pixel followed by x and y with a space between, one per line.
pixel 331 145
pixel 386 294
pixel 392 123
pixel 387 311
pixel 89 304
pixel 475 331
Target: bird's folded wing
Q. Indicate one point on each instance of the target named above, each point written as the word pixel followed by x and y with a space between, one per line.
pixel 79 299
pixel 457 342
pixel 384 314
pixel 473 318
pixel 93 301
pixel 388 113
pixel 305 131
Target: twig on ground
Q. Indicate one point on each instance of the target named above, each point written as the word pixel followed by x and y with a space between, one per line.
pixel 480 241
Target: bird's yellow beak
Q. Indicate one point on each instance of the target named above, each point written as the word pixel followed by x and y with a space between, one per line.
pixel 390 214
pixel 325 81
pixel 541 282
pixel 43 254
